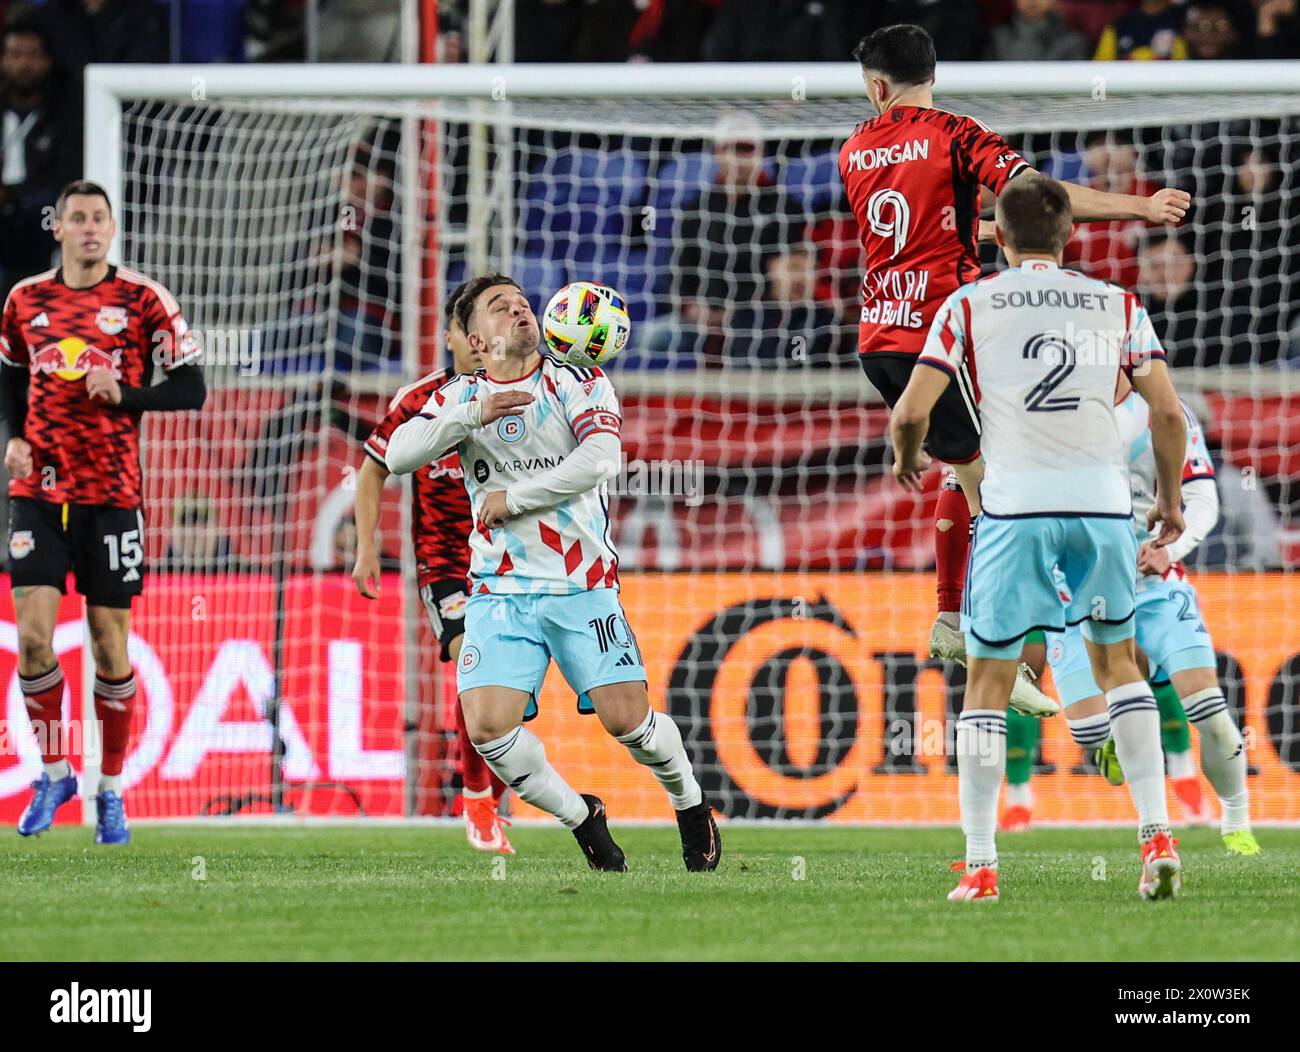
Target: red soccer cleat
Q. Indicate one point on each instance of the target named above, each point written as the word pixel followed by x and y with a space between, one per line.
pixel 484 827
pixel 1015 819
pixel 1161 869
pixel 980 886
pixel 1196 812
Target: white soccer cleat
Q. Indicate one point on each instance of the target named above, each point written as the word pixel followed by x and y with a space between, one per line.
pixel 1027 699
pixel 947 643
pixel 1161 869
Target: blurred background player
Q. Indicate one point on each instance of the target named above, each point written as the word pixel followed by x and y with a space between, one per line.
pixel 440 525
pixel 78 347
pixel 913 176
pixel 1056 496
pixel 539 440
pixel 1170 633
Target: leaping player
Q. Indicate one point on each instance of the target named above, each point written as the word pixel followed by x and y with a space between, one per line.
pixel 440 518
pixel 1047 346
pixel 538 441
pixel 913 176
pixel 78 350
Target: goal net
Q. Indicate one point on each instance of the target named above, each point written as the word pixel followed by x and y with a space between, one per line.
pixel 778 581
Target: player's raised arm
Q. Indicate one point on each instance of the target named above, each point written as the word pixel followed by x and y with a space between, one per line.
pixel 442 425
pixel 1149 372
pixel 592 409
pixel 1163 208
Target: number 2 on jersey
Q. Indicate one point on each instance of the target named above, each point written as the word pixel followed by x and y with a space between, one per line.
pixel 1061 355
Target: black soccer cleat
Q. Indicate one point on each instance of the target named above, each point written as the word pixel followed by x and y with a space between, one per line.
pixel 701 841
pixel 596 843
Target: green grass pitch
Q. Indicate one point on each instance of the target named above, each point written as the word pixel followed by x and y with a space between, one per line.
pixel 412 893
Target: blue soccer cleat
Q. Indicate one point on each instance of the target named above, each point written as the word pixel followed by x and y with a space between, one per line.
pixel 110 825
pixel 48 797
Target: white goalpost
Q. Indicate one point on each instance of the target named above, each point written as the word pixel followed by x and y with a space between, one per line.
pixel 311 221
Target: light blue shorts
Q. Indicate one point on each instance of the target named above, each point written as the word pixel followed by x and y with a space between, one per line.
pixel 1170 632
pixel 1011 589
pixel 511 639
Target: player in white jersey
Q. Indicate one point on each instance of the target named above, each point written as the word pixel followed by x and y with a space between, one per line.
pixel 1043 347
pixel 538 440
pixel 1170 631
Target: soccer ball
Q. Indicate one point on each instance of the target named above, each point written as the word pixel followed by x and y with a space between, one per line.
pixel 586 323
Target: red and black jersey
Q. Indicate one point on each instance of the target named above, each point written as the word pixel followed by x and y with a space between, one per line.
pixel 440 518
pixel 913 178
pixel 84 451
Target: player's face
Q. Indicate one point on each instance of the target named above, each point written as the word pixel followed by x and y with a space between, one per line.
pixel 504 324
pixel 85 229
pixel 23 61
pixel 464 357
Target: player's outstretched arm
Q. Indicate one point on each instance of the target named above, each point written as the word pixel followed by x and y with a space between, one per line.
pixel 1168 443
pixel 1164 207
pixel 370 485
pixel 438 428
pixel 591 462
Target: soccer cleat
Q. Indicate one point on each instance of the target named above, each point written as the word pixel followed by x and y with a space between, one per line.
pixel 701 841
pixel 1027 699
pixel 980 886
pixel 1107 762
pixel 947 643
pixel 483 826
pixel 48 796
pixel 1015 819
pixel 1196 812
pixel 1161 870
pixel 110 823
pixel 594 839
pixel 1241 842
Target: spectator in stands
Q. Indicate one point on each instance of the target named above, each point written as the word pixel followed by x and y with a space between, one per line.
pixel 1166 284
pixel 573 30
pixel 790 327
pixel 725 240
pixel 1091 17
pixel 360 31
pixel 781 31
pixel 86 31
pixel 1211 32
pixel 1152 31
pixel 1108 251
pixel 671 30
pixel 1277 29
pixel 955 26
pixel 196 544
pixel 1036 32
pixel 40 145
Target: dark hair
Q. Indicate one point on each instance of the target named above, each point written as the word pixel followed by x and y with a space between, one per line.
pixel 81 186
pixel 1034 215
pixel 23 18
pixel 903 53
pixel 449 305
pixel 473 289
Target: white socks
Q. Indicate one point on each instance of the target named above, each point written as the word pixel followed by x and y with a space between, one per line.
pixel 110 783
pixel 657 743
pixel 1020 795
pixel 1223 755
pixel 58 769
pixel 519 760
pixel 1180 765
pixel 1090 732
pixel 1135 726
pixel 981 763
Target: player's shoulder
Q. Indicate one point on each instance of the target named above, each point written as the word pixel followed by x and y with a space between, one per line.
pixel 418 391
pixel 564 374
pixel 147 287
pixel 21 290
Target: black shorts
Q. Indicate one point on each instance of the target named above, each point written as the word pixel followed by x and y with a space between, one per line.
pixel 954 435
pixel 102 546
pixel 444 602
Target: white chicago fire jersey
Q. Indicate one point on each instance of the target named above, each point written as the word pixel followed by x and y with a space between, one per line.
pixel 1134 418
pixel 1037 351
pixel 557 550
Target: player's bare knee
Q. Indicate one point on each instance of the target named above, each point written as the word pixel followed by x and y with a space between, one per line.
pixel 621 707
pixel 35 649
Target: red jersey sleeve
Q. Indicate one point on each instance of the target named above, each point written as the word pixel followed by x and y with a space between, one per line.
pixel 405 405
pixel 13 348
pixel 983 156
pixel 168 330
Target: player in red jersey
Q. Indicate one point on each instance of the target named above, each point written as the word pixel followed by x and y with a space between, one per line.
pixel 440 524
pixel 913 176
pixel 78 350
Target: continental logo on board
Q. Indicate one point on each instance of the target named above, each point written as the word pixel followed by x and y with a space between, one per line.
pixel 811 697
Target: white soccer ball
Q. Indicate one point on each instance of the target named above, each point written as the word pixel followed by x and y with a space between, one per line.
pixel 586 323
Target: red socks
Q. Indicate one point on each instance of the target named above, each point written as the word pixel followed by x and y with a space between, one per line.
pixel 114 699
pixel 951 543
pixel 476 775
pixel 44 696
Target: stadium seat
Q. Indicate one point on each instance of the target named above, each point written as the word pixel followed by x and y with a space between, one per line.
pixel 540 278
pixel 580 194
pixel 813 181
